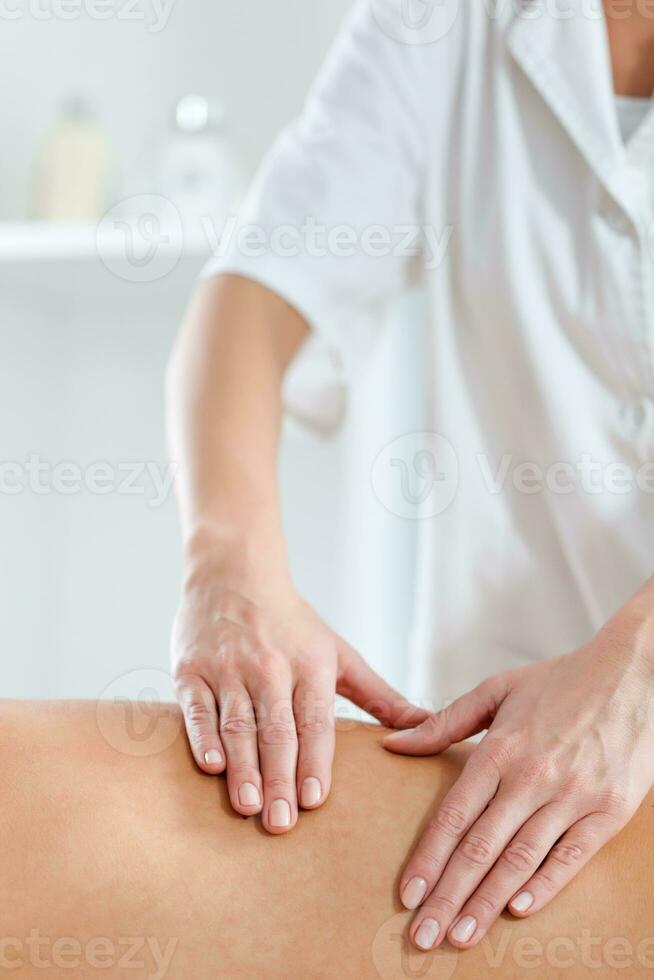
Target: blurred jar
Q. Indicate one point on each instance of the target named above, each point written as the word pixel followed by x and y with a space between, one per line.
pixel 201 170
pixel 72 173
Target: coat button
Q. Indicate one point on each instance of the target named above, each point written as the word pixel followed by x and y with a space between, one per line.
pixel 638 415
pixel 617 220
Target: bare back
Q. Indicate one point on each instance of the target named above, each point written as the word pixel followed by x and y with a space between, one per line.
pixel 121 859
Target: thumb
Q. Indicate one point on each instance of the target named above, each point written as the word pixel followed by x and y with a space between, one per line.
pixel 468 715
pixel 358 682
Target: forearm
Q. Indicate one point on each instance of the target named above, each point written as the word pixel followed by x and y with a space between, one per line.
pixel 255 668
pixel 224 418
pixel 628 638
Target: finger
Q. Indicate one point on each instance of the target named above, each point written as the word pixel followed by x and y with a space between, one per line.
pixel 565 860
pixel 462 806
pixel 198 705
pixel 466 716
pixel 516 864
pixel 472 859
pixel 313 706
pixel 278 753
pixel 359 683
pixel 238 730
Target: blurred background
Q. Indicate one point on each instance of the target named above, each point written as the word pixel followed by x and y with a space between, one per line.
pixel 126 126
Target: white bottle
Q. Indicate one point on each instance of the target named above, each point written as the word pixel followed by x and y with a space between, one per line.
pixel 72 175
pixel 201 170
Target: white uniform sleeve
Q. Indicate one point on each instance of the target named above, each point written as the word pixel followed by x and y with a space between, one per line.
pixel 328 221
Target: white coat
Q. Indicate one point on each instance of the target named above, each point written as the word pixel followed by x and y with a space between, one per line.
pixel 489 131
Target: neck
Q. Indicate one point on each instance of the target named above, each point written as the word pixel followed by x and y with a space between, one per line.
pixel 631 37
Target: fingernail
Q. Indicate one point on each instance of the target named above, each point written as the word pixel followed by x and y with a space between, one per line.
pixel 464 929
pixel 405 735
pixel 414 892
pixel 427 934
pixel 522 902
pixel 213 757
pixel 248 795
pixel 280 813
pixel 311 791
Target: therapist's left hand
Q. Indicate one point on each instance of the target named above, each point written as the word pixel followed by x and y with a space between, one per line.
pixel 566 761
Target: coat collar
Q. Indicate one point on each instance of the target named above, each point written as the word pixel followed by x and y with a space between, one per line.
pixel 563 49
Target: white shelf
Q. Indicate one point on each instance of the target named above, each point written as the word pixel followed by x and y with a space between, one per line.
pixel 40 242
pixel 51 267
pixel 35 241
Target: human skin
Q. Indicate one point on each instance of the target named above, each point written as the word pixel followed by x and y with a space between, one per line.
pixel 115 845
pixel 630 30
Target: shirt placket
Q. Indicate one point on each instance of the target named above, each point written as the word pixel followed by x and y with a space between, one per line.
pixel 633 217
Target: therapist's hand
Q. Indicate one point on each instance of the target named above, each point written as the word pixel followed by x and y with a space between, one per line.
pixel 566 761
pixel 255 672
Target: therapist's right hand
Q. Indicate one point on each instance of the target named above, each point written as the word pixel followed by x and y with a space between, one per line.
pixel 255 672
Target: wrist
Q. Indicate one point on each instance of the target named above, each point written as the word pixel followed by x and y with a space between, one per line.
pixel 243 559
pixel 631 634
